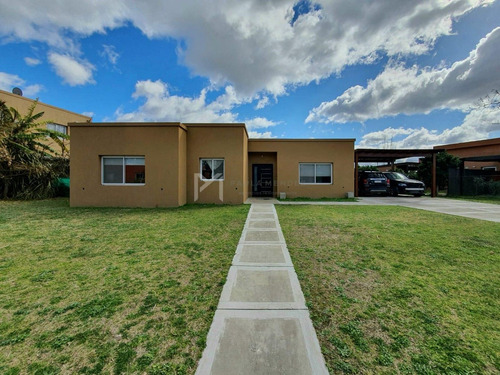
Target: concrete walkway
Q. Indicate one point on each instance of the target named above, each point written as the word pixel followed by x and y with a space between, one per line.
pixel 262 326
pixel 473 210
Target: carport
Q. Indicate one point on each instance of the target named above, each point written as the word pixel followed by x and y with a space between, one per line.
pixel 367 155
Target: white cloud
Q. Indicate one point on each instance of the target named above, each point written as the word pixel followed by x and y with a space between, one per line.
pixel 31 61
pixel 254 134
pixel 109 52
pixel 259 123
pixel 264 101
pixel 73 72
pixel 9 81
pixel 160 105
pixel 412 90
pixel 251 45
pixel 477 124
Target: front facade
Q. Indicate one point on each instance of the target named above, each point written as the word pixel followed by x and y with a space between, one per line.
pixel 171 164
pixel 57 118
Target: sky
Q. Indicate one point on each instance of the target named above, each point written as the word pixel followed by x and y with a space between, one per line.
pixel 389 73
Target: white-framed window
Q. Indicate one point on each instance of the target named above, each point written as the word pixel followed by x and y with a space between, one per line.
pixel 212 169
pixel 316 173
pixel 123 170
pixel 58 128
pixel 492 168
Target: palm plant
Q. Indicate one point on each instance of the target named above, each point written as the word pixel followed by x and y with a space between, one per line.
pixel 28 166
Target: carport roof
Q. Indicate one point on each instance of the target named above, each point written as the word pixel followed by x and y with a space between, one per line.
pixel 389 155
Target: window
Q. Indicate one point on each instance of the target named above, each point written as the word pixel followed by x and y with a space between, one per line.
pixel 212 169
pixel 489 168
pixel 123 170
pixel 58 128
pixel 315 173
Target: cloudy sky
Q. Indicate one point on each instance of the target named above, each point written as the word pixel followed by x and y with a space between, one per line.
pixel 390 73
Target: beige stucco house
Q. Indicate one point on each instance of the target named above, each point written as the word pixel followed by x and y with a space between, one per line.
pixel 57 118
pixel 171 164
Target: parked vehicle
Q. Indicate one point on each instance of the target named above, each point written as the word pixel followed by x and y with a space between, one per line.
pixel 372 182
pixel 401 184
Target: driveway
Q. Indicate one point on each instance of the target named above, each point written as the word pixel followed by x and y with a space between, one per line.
pixel 475 210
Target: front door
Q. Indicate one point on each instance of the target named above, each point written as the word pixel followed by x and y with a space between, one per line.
pixel 262 180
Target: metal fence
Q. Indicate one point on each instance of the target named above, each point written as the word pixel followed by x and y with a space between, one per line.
pixel 473 182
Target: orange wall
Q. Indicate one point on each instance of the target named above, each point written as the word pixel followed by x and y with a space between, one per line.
pixel 292 152
pixel 173 152
pixel 51 114
pixel 217 141
pixel 159 143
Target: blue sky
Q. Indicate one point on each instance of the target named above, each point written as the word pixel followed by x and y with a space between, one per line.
pixel 390 73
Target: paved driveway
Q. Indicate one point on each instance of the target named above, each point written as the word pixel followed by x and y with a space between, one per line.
pixel 475 210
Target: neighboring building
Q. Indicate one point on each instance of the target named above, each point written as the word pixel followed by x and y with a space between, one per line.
pixel 171 164
pixel 58 118
pixel 406 167
pixel 481 155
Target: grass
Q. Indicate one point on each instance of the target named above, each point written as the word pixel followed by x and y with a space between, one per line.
pixel 495 199
pixel 324 199
pixel 90 291
pixel 393 290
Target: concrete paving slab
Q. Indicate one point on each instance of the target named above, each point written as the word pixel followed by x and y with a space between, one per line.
pixel 262 288
pixel 261 215
pixel 263 236
pixel 262 325
pixel 262 343
pixel 263 208
pixel 262 255
pixel 262 224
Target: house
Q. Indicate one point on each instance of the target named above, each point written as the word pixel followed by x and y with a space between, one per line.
pixel 476 155
pixel 171 164
pixel 57 118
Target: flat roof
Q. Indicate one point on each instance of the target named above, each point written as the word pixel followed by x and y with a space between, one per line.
pixel 364 155
pixel 301 140
pixel 125 124
pixel 480 143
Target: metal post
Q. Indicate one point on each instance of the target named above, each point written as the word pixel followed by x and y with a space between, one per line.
pixel 434 177
pixel 356 159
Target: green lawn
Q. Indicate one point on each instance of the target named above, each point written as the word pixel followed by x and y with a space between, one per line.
pixel 398 291
pixel 90 291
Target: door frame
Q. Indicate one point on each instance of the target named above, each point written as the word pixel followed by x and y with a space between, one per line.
pixel 254 182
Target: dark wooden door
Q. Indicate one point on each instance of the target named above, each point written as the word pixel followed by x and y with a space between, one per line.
pixel 262 180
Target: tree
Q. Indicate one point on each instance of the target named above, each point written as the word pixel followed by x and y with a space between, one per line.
pixel 28 166
pixel 444 161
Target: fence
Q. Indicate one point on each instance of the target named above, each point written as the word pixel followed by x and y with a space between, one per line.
pixel 473 182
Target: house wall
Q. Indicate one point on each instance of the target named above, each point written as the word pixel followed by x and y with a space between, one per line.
pixel 216 141
pixel 182 165
pixel 292 152
pixel 486 147
pixel 161 144
pixel 52 114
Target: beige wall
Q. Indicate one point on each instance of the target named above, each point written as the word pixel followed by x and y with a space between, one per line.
pixel 172 154
pixel 159 143
pixel 182 165
pixel 218 141
pixel 52 114
pixel 292 152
